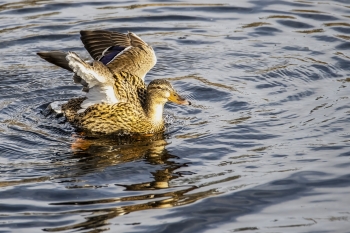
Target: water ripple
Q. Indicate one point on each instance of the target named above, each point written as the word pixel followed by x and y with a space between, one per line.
pixel 269 85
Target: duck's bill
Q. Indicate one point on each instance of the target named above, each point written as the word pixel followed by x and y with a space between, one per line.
pixel 177 99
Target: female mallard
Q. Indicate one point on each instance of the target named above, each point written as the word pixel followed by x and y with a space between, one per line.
pixel 117 100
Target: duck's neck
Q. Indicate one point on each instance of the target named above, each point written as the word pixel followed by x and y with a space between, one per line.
pixel 154 110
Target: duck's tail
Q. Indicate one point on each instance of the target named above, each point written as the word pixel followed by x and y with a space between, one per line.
pixel 57 58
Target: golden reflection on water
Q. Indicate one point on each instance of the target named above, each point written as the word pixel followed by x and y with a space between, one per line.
pixel 23 181
pixel 318 30
pixel 237 121
pixel 191 135
pixel 98 154
pixel 305 59
pixel 111 151
pixel 20 4
pixel 344 37
pixel 106 154
pixel 203 80
pixel 342 55
pixel 280 17
pixel 308 11
pixel 337 24
pixel 255 24
pixel 42 15
pixel 273 68
pixel 306 2
pixel 7 30
pixel 135 6
pixel 100 217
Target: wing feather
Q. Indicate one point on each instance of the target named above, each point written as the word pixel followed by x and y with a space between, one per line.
pixel 97 41
pixel 129 52
pixel 99 79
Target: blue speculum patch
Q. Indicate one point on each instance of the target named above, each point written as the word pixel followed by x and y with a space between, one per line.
pixel 111 53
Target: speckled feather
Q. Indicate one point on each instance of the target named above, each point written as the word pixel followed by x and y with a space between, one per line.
pixel 138 57
pixel 130 87
pixel 125 118
pixel 117 101
pixel 121 118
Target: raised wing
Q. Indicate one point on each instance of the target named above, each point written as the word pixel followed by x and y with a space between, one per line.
pixel 120 52
pixel 95 42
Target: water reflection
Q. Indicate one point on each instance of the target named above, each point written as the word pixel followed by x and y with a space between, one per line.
pixel 98 154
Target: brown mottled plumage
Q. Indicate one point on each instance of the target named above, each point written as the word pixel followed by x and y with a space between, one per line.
pixel 129 88
pixel 71 108
pixel 117 100
pixel 125 118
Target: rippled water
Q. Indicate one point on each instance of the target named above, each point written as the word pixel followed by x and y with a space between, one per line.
pixel 264 148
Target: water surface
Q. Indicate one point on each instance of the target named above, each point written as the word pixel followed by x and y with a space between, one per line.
pixel 264 148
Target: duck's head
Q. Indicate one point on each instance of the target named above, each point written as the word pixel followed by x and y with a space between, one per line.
pixel 161 91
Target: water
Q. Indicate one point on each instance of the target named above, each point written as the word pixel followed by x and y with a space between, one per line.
pixel 264 148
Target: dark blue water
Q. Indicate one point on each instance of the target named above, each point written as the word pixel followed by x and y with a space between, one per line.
pixel 264 148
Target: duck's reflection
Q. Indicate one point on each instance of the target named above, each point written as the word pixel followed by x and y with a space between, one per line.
pixel 100 153
pixel 157 193
pixel 94 154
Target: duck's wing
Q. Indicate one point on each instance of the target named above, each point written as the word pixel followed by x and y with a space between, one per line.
pixel 99 78
pixel 96 42
pixel 120 52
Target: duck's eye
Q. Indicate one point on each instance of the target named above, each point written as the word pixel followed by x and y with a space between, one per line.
pixel 158 87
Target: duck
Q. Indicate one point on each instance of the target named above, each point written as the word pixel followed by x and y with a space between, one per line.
pixel 116 101
pixel 125 118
